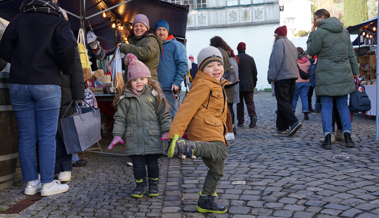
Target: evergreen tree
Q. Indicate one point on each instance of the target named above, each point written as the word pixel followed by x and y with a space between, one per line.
pixel 355 12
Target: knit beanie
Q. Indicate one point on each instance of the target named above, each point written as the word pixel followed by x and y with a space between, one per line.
pixel 162 23
pixel 141 18
pixel 207 55
pixel 241 46
pixel 136 69
pixel 282 30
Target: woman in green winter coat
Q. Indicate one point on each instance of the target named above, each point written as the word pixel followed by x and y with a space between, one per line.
pixel 334 71
pixel 142 119
pixel 144 44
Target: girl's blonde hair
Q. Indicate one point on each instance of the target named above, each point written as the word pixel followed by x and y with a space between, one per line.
pixel 152 83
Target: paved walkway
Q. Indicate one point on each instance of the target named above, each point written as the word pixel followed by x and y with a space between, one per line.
pixel 266 175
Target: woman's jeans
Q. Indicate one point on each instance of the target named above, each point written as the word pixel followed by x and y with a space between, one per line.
pixel 36 108
pixel 327 113
pixel 301 89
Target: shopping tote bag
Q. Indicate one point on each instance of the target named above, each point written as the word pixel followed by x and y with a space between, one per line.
pixel 80 130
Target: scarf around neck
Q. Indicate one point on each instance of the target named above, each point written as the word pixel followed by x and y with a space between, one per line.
pixel 40 6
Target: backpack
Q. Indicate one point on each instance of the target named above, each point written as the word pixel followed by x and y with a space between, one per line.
pixel 303 74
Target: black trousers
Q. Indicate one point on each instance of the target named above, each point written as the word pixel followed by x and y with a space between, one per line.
pixel 63 161
pixel 249 100
pixel 284 90
pixel 139 166
pixel 310 94
pixel 231 111
pixel 336 117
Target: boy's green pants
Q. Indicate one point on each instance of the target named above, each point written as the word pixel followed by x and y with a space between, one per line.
pixel 213 155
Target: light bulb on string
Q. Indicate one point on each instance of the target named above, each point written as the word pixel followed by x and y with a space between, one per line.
pixel 374 28
pixel 122 27
pixel 364 33
pixel 113 25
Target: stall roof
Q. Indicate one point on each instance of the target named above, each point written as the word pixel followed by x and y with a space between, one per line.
pixel 174 14
pixel 368 24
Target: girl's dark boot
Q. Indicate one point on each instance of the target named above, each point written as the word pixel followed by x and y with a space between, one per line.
pixel 306 116
pixel 328 142
pixel 207 204
pixel 348 140
pixel 140 190
pixel 153 187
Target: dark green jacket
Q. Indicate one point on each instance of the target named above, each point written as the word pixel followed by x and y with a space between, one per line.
pixel 336 60
pixel 141 122
pixel 146 49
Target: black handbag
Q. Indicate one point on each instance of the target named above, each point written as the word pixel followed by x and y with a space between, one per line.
pixel 303 74
pixel 359 100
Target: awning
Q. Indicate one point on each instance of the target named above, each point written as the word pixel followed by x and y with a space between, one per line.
pixel 174 14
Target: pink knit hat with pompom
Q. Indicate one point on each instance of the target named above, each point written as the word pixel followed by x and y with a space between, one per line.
pixel 136 69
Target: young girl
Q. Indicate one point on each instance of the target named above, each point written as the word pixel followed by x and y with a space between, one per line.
pixel 141 119
pixel 204 114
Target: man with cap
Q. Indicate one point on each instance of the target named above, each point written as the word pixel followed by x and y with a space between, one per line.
pixel 283 73
pixel 173 65
pixel 247 73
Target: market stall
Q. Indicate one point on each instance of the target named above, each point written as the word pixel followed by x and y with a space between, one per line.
pixel 365 50
pixel 105 23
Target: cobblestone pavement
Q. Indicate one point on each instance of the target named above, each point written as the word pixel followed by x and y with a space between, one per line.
pixel 266 175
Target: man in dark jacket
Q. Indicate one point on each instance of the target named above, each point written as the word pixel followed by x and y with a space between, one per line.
pixel 247 72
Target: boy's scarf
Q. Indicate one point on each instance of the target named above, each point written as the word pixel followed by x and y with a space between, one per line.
pixel 40 6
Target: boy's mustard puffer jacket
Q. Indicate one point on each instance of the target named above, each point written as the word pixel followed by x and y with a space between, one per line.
pixel 203 111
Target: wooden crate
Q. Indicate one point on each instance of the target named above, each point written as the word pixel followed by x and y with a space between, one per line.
pixel 372 60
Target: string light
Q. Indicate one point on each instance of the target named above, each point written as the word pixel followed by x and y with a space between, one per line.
pixel 364 33
pixel 122 27
pixel 113 25
pixel 374 28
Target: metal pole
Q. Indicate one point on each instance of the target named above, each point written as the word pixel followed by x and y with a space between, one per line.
pixel 108 9
pixel 83 17
pixel 377 74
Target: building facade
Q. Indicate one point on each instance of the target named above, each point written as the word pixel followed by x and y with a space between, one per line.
pixel 296 15
pixel 249 21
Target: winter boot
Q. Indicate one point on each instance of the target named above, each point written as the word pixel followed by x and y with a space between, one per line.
pixel 339 136
pixel 140 190
pixel 333 139
pixel 207 204
pixel 306 116
pixel 180 146
pixel 253 122
pixel 153 187
pixel 327 142
pixel 348 140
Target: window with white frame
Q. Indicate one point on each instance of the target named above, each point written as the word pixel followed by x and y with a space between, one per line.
pixel 201 4
pixel 245 2
pixel 231 2
pixel 190 3
pixel 173 1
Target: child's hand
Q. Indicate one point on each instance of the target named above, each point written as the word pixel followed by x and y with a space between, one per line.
pixel 164 136
pixel 116 139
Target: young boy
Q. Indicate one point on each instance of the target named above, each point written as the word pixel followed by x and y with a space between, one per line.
pixel 204 114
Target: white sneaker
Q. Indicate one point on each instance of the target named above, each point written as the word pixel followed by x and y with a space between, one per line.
pixel 229 136
pixel 32 187
pixel 64 176
pixel 53 188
